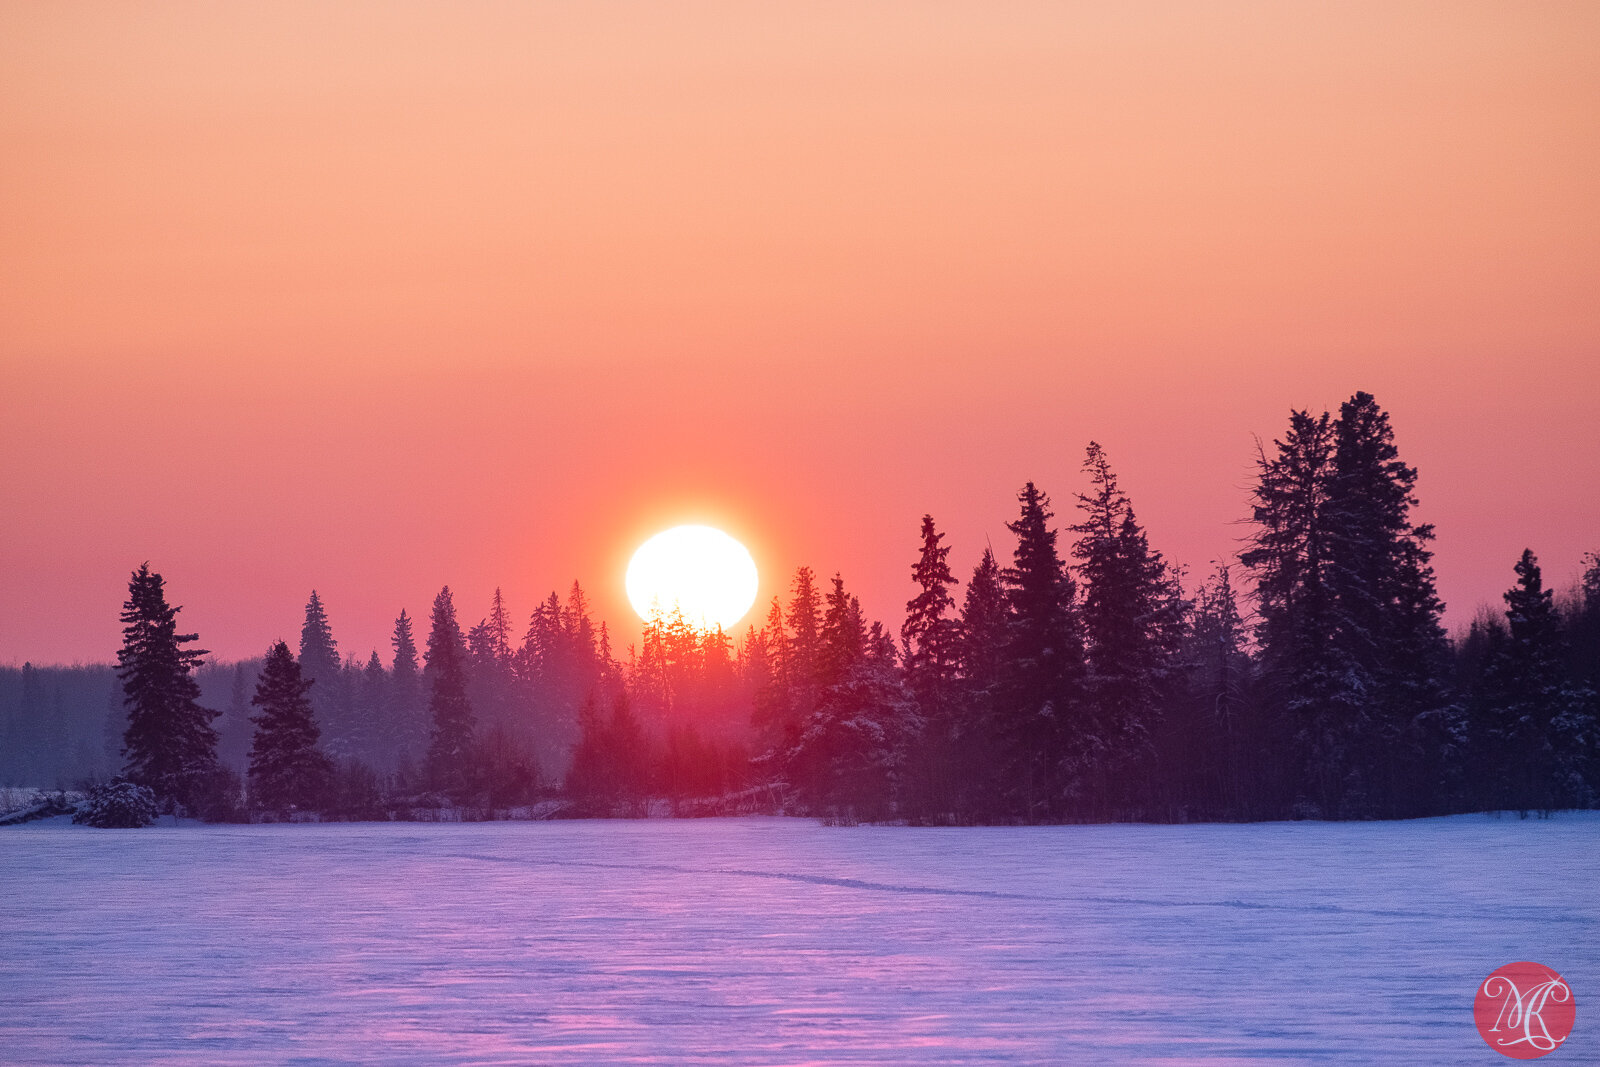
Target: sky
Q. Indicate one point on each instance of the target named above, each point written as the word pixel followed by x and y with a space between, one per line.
pixel 373 298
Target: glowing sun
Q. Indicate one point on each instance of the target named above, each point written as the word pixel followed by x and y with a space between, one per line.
pixel 699 570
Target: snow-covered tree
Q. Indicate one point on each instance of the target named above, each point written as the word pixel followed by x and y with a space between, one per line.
pixel 851 752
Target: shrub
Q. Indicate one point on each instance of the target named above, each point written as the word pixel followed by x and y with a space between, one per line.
pixel 119 804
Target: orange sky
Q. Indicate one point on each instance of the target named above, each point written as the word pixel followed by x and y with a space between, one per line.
pixel 377 297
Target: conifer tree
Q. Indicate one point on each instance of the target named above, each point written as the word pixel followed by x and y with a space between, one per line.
pixel 843 636
pixel 802 661
pixel 768 681
pixel 1040 699
pixel 611 761
pixel 930 638
pixel 319 652
pixel 371 725
pixel 319 662
pixel 287 769
pixel 407 708
pixel 1352 648
pixel 928 633
pixel 499 629
pixel 1540 732
pixel 850 754
pixel 1214 752
pixel 982 634
pixel 983 627
pixel 1584 628
pixel 805 628
pixel 450 743
pixel 1387 611
pixel 1133 619
pixel 170 745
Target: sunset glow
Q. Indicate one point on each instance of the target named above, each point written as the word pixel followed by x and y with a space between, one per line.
pixel 696 570
pixel 368 299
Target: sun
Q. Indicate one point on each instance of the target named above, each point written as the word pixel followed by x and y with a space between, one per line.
pixel 699 570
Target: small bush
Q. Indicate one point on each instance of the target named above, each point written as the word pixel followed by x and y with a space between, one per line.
pixel 119 804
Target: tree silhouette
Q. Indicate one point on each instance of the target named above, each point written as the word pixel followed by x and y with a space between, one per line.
pixel 450 743
pixel 170 745
pixel 287 769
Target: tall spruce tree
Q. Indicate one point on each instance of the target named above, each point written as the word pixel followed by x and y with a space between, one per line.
pixel 319 662
pixel 1386 609
pixel 1133 621
pixel 1352 647
pixel 450 743
pixel 1040 699
pixel 929 634
pixel 319 652
pixel 287 769
pixel 169 744
pixel 804 646
pixel 931 640
pixel 408 738
pixel 1303 670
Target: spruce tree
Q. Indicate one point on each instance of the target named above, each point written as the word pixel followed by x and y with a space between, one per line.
pixel 930 637
pixel 1040 699
pixel 170 745
pixel 843 636
pixel 499 632
pixel 1352 648
pixel 1304 670
pixel 1386 622
pixel 983 628
pixel 319 662
pixel 409 733
pixel 450 743
pixel 804 646
pixel 1133 621
pixel 371 727
pixel 929 634
pixel 1540 731
pixel 770 707
pixel 287 769
pixel 981 638
pixel 1220 736
pixel 319 652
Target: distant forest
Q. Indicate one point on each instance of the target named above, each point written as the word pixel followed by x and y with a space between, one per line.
pixel 1079 679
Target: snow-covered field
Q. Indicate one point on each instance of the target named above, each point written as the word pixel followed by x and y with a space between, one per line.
pixel 759 941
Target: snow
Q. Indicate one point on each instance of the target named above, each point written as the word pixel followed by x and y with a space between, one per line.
pixel 759 941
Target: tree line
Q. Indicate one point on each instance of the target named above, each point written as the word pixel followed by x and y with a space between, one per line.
pixel 1078 679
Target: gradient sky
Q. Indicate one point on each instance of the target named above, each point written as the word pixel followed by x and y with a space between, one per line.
pixel 377 297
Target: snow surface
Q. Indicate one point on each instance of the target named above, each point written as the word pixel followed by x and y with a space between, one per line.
pixel 760 941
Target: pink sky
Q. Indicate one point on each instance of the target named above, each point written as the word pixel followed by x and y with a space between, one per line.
pixel 374 298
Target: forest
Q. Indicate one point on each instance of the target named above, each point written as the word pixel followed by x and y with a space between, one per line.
pixel 1082 678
